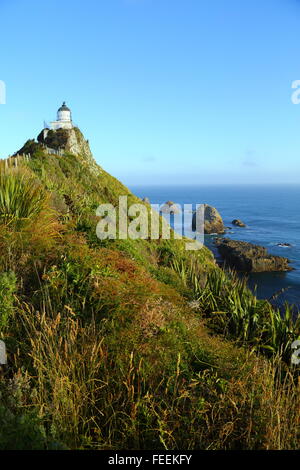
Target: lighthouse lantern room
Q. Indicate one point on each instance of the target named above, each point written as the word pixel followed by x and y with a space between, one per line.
pixel 64 118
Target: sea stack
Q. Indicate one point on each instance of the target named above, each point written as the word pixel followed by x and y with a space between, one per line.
pixel 213 222
pixel 170 208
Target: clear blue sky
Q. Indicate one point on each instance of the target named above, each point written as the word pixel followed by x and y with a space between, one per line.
pixel 167 91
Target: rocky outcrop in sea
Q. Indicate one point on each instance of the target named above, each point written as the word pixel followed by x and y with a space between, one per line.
pixel 213 222
pixel 170 208
pixel 247 257
pixel 238 223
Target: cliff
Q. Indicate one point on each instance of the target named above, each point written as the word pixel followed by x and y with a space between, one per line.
pixel 68 140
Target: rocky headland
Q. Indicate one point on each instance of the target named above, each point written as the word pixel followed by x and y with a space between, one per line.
pixel 247 257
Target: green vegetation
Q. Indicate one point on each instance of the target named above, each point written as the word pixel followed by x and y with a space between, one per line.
pixel 234 311
pixel 21 198
pixel 133 344
pixel 7 290
pixel 54 139
pixel 31 147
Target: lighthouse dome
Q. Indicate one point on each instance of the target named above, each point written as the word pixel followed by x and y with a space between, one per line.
pixel 64 113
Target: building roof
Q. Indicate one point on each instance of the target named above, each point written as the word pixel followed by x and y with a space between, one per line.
pixel 64 107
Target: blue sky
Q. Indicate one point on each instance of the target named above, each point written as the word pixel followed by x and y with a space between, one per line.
pixel 166 91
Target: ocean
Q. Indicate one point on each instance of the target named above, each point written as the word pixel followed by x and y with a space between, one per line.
pixel 272 216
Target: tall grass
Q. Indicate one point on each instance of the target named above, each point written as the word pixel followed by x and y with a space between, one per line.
pixel 8 283
pixel 233 310
pixel 66 360
pixel 28 224
pixel 21 197
pixel 90 395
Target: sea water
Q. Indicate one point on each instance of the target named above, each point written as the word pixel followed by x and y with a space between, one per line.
pixel 272 217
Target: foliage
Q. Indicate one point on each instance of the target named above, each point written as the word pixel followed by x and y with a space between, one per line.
pixel 33 148
pixel 233 310
pixel 7 290
pixel 54 139
pixel 22 198
pixel 20 428
pixel 28 225
pixel 133 344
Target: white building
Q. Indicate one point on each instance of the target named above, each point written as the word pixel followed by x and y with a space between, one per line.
pixel 64 118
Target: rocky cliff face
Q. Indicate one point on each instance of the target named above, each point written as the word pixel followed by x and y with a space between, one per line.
pixel 77 144
pixel 247 257
pixel 70 140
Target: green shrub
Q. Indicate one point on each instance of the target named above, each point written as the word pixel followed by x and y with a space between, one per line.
pixel 20 432
pixel 24 431
pixel 31 147
pixel 54 139
pixel 7 290
pixel 21 198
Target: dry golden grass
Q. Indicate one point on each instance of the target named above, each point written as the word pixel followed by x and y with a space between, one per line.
pixel 66 359
pixel 91 392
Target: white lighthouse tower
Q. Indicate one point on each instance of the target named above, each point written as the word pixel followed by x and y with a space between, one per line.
pixel 64 118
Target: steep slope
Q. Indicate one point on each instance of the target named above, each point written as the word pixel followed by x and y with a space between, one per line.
pixel 78 185
pixel 107 341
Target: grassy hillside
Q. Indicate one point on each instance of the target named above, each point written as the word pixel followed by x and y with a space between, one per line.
pixel 135 344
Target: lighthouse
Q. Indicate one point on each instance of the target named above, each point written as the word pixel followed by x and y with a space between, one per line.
pixel 64 118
